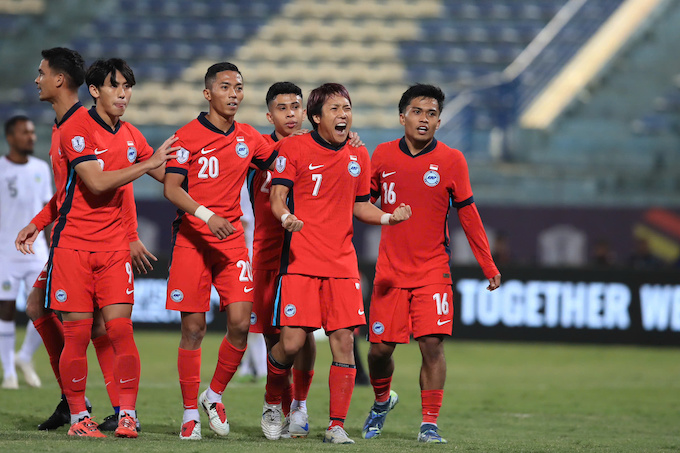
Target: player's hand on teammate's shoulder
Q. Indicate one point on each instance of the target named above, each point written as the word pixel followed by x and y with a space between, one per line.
pixel 355 140
pixel 26 238
pixel 403 212
pixel 292 223
pixel 140 257
pixel 165 152
pixel 494 282
pixel 299 132
pixel 220 227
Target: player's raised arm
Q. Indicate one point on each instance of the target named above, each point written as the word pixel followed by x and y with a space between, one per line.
pixel 369 213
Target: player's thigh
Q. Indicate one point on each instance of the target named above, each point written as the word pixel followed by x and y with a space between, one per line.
pixel 113 279
pixel 298 301
pixel 432 310
pixel 14 273
pixel 389 319
pixel 70 283
pixel 264 281
pixel 342 304
pixel 232 275
pixel 189 281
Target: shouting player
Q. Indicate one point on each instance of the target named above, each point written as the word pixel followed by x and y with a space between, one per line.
pixel 208 242
pixel 412 286
pixel 319 183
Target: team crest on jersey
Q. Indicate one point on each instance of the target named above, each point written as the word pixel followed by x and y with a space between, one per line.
pixel 290 310
pixel 78 143
pixel 176 295
pixel 242 150
pixel 354 168
pixel 378 328
pixel 131 152
pixel 182 156
pixel 38 178
pixel 6 286
pixel 253 318
pixel 431 178
pixel 60 295
pixel 280 164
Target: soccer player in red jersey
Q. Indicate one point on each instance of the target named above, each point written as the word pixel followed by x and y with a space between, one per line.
pixel 412 285
pixel 319 183
pixel 205 182
pixel 89 234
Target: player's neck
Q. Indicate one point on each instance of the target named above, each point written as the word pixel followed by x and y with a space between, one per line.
pixel 62 104
pixel 16 157
pixel 416 146
pixel 223 123
pixel 111 121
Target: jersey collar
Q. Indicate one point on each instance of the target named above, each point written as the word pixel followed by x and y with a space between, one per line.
pixel 208 125
pixel 68 114
pixel 404 147
pixel 274 136
pixel 95 116
pixel 317 138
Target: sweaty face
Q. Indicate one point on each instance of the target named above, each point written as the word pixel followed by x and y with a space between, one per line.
pixel 46 81
pixel 112 98
pixel 335 119
pixel 420 119
pixel 23 137
pixel 226 93
pixel 286 113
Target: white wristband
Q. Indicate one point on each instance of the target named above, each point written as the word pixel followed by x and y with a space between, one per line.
pixel 385 219
pixel 284 217
pixel 203 213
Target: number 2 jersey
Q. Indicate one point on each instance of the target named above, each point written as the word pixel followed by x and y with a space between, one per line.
pixel 324 182
pixel 215 164
pixel 416 252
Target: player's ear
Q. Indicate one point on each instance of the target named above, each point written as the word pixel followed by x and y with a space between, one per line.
pixel 60 79
pixel 317 119
pixel 94 91
pixel 439 122
pixel 207 95
pixel 402 119
pixel 270 118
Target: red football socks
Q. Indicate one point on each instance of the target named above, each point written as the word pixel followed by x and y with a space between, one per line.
pixel 432 402
pixel 73 363
pixel 127 368
pixel 341 386
pixel 228 359
pixel 52 333
pixel 189 368
pixel 107 358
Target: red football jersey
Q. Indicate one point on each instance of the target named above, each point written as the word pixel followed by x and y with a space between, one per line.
pixel 324 181
pixel 416 253
pixel 268 236
pixel 94 222
pixel 215 166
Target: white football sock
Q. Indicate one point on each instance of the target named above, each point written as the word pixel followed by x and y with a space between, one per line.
pixel 7 341
pixel 32 342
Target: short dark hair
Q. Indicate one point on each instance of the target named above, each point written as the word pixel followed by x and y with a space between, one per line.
pixel 318 96
pixel 282 88
pixel 101 69
pixel 67 61
pixel 211 73
pixel 421 90
pixel 10 123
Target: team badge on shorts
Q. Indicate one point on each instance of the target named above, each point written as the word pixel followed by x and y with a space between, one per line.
pixel 431 178
pixel 60 295
pixel 78 143
pixel 290 310
pixel 253 318
pixel 378 328
pixel 131 152
pixel 354 169
pixel 280 164
pixel 176 295
pixel 182 156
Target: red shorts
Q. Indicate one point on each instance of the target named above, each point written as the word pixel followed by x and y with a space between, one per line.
pixel 78 281
pixel 395 313
pixel 192 271
pixel 41 281
pixel 263 303
pixel 307 301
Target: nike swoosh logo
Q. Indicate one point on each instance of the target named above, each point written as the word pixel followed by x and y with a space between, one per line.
pixel 314 167
pixel 75 381
pixel 441 323
pixel 40 279
pixel 127 380
pixel 247 290
pixel 129 291
pixel 361 312
pixel 385 175
pixel 97 151
pixel 206 151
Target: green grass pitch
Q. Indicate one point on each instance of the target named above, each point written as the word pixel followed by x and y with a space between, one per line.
pixel 499 397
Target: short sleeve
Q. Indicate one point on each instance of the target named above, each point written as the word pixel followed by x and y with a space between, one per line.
pixel 180 164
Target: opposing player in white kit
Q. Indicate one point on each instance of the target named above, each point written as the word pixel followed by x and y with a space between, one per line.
pixel 25 186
